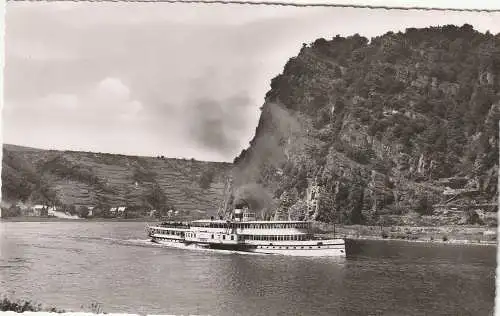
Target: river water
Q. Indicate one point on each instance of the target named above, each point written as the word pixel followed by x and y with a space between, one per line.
pixel 74 264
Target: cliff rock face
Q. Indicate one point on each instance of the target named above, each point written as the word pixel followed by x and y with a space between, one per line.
pixel 34 176
pixel 379 127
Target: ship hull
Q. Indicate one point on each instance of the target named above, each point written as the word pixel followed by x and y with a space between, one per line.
pixel 336 248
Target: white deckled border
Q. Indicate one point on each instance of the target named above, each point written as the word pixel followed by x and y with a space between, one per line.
pixel 10 313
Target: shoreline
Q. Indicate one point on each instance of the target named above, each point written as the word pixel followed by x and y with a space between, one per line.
pixel 33 219
pixel 459 242
pixel 450 235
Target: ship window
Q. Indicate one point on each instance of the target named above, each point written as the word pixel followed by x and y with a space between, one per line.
pixel 212 236
pixel 232 237
pixel 223 236
pixel 302 247
pixel 319 246
pixel 310 247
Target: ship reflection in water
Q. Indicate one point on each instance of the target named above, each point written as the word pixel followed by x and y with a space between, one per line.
pixel 73 264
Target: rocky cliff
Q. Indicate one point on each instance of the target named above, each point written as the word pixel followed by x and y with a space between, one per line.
pixel 359 131
pixel 35 176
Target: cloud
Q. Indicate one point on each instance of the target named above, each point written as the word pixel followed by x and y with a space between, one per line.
pixel 56 101
pixel 111 98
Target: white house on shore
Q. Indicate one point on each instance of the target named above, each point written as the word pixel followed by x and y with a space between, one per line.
pixel 39 210
pixel 121 210
pixel 118 211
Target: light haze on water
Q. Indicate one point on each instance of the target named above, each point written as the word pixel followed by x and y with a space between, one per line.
pixel 70 264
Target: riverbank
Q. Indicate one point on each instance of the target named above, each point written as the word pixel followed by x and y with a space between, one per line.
pixel 473 235
pixel 58 219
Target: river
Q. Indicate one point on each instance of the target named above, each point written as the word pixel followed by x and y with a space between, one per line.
pixel 74 264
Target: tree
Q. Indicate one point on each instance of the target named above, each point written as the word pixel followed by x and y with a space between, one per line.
pixel 298 211
pixel 156 197
pixel 206 179
pixel 424 207
pixel 83 212
pixel 12 211
pixel 356 197
pixel 472 217
pixel 72 210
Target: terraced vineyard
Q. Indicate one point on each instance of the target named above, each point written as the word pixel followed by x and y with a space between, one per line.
pixel 84 178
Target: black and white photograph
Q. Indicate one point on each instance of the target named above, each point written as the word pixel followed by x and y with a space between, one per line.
pixel 250 157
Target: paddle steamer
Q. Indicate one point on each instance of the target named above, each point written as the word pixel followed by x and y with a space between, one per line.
pixel 244 233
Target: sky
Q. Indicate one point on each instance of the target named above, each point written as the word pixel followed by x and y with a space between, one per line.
pixel 177 80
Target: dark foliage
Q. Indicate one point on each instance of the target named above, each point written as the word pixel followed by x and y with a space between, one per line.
pixel 21 306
